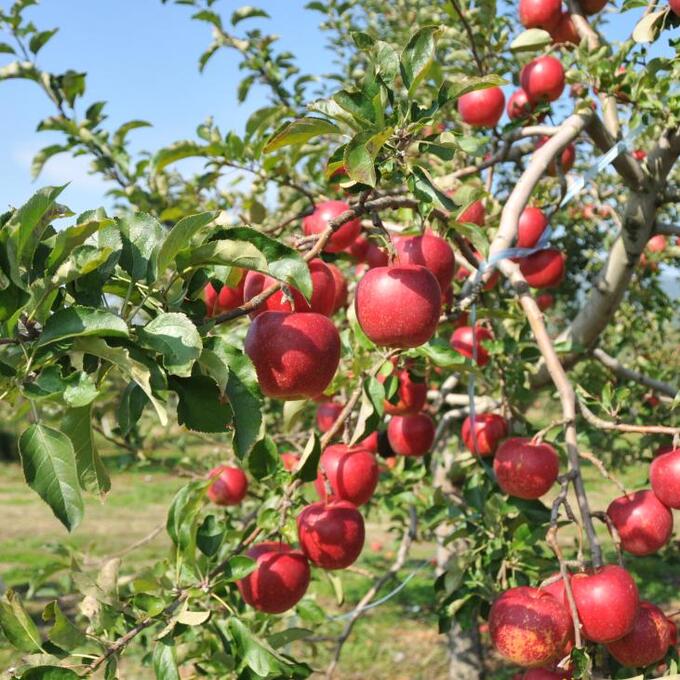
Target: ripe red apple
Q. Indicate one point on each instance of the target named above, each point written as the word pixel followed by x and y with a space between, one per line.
pixel 430 251
pixel 279 580
pixel 591 7
pixel 525 470
pixel 322 215
pixel 647 643
pixel 376 256
pixel 327 413
pixel 529 627
pixel 639 154
pixel 543 79
pixel 489 429
pixel 357 249
pixel 545 301
pixel 411 435
pixel 229 485
pixel 370 443
pixel 352 474
pixel 482 108
pixel 657 244
pixel 567 158
pixel 564 31
pixel 519 105
pixel 290 460
pixel 675 6
pixel 539 13
pixel 295 355
pixel 331 534
pixel 664 475
pixel 546 674
pixel 473 214
pixel 323 292
pixel 673 632
pixel 607 602
pixel 543 269
pixel 411 395
pixel 644 523
pixel 340 297
pixel 532 223
pixel 398 306
pixel 468 341
pixel 228 297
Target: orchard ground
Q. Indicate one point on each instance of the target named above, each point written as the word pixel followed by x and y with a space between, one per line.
pixel 402 633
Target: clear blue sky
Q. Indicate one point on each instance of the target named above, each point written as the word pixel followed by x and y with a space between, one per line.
pixel 141 56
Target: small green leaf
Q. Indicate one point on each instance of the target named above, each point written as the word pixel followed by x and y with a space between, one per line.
pixel 175 337
pixel 210 535
pixel 18 627
pixel 143 236
pixel 63 633
pixel 79 321
pixel 533 39
pixel 649 27
pixel 183 513
pixel 306 469
pixel 49 673
pixel 247 12
pixel 418 56
pixel 300 131
pixel 180 236
pixel 164 661
pixel 238 567
pixel 201 407
pixel 40 39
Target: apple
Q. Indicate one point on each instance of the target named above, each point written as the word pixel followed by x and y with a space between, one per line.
pixel 370 443
pixel 331 534
pixel 340 297
pixel 475 213
pixel 591 7
pixel 545 301
pixel 295 355
pixel 539 13
pixel 489 429
pixel 567 158
pixel 639 154
pixel 398 306
pixel 532 223
pixel 543 79
pixel 228 297
pixel 290 460
pixel 564 31
pixel 664 476
pixel 657 244
pixel 357 249
pixel 352 474
pixel 229 485
pixel 647 643
pixel 411 435
pixel 411 395
pixel 546 674
pixel 327 413
pixel 556 588
pixel 644 523
pixel 318 221
pixel 482 108
pixel 468 342
pixel 675 6
pixel 519 105
pixel 606 601
pixel 525 470
pixel 323 292
pixel 430 251
pixel 529 627
pixel 543 269
pixel 673 632
pixel 279 580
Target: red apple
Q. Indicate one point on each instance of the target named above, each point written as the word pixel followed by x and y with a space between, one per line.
pixel 352 474
pixel 525 470
pixel 644 523
pixel 545 301
pixel 675 6
pixel 519 105
pixel 411 435
pixel 647 643
pixel 482 108
pixel 591 7
pixel 639 154
pixel 228 298
pixel 468 342
pixel 564 31
pixel 290 460
pixel 607 602
pixel 327 413
pixel 357 249
pixel 543 79
pixel 529 627
pixel 279 580
pixel 229 485
pixel 489 429
pixel 331 534
pixel 430 251
pixel 376 256
pixel 323 292
pixel 567 158
pixel 657 244
pixel 318 221
pixel 340 298
pixel 546 674
pixel 539 13
pixel 473 214
pixel 295 355
pixel 398 306
pixel 543 269
pixel 673 632
pixel 532 223
pixel 370 443
pixel 411 395
pixel 664 475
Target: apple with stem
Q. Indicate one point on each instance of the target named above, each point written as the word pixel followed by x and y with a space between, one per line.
pixel 482 108
pixel 228 485
pixel 525 469
pixel 411 435
pixel 543 79
pixel 488 430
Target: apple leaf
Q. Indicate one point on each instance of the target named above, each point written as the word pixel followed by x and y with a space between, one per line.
pixel 300 131
pixel 530 40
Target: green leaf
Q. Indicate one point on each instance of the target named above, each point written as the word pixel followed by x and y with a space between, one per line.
pixel 80 389
pixel 49 464
pixel 67 239
pixel 358 104
pixel 440 353
pixel 210 535
pixel 6 49
pixel 464 84
pixel 293 412
pixel 371 409
pixel 362 40
pixel 179 151
pixel 49 673
pixel 263 459
pixel 131 369
pixel 80 321
pixel 183 514
pixel 120 134
pixel 649 27
pixel 247 12
pixel 418 56
pixel 225 252
pixel 18 627
pixel 238 567
pixel 189 618
pixel 39 160
pixel 528 41
pixel 131 407
pixel 285 637
pixel 175 337
pixel 306 469
pixel 262 659
pixel 63 633
pixel 300 131
pixel 361 152
pixel 179 236
pixel 164 661
pixel 92 474
pixel 425 189
pixel 386 60
pixel 201 407
pixel 40 39
pixel 142 238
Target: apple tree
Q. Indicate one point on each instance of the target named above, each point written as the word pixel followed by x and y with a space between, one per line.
pixel 437 295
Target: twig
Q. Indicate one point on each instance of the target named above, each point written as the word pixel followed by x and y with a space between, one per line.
pixel 624 427
pixel 471 36
pixel 592 458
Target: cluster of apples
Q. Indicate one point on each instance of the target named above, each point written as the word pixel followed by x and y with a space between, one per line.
pixel 549 15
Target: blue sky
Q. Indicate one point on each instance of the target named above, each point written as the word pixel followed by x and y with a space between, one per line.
pixel 141 56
